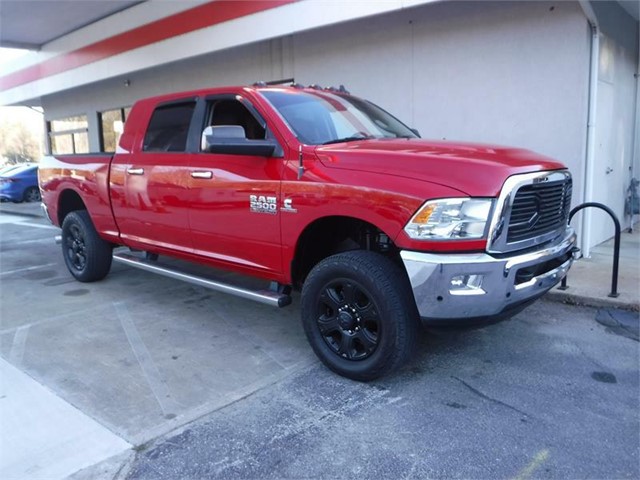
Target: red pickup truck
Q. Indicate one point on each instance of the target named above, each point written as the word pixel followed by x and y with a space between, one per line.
pixel 317 190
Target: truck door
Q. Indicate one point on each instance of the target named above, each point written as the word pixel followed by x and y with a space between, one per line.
pixel 235 199
pixel 150 186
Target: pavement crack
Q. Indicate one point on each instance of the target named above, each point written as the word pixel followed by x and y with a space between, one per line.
pixel 589 358
pixel 491 399
pixel 366 398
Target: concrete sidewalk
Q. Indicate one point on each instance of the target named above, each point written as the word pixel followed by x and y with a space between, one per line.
pixel 44 437
pixel 589 281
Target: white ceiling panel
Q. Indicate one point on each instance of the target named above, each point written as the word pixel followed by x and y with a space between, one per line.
pixel 32 23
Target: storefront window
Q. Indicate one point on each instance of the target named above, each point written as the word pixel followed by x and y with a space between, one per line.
pixel 69 135
pixel 112 126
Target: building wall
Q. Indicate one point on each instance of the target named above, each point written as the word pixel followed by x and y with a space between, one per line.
pixel 241 65
pixel 614 133
pixel 507 73
pixel 615 161
pixel 511 73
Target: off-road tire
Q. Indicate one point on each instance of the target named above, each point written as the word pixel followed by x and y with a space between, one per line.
pixel 359 314
pixel 87 256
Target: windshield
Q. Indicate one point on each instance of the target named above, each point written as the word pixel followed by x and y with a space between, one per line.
pixel 322 117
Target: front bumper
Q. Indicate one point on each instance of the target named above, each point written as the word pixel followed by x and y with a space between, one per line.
pixel 502 283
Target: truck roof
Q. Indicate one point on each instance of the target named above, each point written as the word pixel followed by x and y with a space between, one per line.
pixel 238 89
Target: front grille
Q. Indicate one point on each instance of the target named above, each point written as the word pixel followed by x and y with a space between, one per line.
pixel 539 208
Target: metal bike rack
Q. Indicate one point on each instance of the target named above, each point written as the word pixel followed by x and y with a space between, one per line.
pixel 616 246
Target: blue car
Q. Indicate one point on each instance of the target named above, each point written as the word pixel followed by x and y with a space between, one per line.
pixel 20 184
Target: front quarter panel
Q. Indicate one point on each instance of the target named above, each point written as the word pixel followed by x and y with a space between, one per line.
pixel 387 202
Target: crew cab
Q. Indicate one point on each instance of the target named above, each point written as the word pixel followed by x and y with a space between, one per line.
pixel 315 190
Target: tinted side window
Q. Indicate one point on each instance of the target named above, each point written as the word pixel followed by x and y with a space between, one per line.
pixel 169 128
pixel 233 112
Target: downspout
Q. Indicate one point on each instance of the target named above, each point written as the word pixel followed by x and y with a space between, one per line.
pixel 635 150
pixel 585 233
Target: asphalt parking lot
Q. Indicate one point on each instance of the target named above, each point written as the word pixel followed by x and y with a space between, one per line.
pixel 197 384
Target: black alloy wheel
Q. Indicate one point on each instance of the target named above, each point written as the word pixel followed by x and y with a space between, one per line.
pixel 76 249
pixel 87 256
pixel 348 319
pixel 359 314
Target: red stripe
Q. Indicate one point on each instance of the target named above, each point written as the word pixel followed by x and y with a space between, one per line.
pixel 196 18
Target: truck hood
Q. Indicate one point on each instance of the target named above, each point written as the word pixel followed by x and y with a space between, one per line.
pixel 477 170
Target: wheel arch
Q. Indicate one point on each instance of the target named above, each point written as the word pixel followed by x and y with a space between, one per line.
pixel 69 201
pixel 333 234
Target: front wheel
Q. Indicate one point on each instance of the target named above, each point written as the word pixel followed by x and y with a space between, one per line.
pixel 359 315
pixel 87 256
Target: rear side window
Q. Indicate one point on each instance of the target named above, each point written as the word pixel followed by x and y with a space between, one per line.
pixel 169 128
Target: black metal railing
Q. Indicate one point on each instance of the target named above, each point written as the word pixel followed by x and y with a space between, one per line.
pixel 616 245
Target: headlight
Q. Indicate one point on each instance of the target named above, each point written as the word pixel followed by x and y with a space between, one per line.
pixel 450 218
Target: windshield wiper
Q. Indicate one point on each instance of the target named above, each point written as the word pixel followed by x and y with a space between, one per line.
pixel 357 136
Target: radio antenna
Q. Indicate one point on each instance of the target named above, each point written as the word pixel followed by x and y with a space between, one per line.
pixel 300 164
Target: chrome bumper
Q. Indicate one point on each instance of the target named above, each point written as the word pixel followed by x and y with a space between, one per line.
pixel 496 285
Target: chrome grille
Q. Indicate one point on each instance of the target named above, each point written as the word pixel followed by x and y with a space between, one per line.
pixel 539 208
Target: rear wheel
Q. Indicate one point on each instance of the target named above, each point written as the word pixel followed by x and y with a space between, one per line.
pixel 31 194
pixel 359 315
pixel 87 256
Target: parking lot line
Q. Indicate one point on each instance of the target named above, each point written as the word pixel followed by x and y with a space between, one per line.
pixel 26 269
pixel 55 318
pixel 538 459
pixel 49 240
pixel 37 225
pixel 17 347
pixel 149 368
pixel 15 220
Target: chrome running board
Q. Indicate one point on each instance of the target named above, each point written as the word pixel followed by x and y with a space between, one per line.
pixel 267 297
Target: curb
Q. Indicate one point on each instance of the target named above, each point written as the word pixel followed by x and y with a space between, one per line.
pixel 580 300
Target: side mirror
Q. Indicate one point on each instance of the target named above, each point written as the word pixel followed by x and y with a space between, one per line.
pixel 232 140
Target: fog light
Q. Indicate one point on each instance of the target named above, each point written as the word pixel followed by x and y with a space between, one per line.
pixel 466 285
